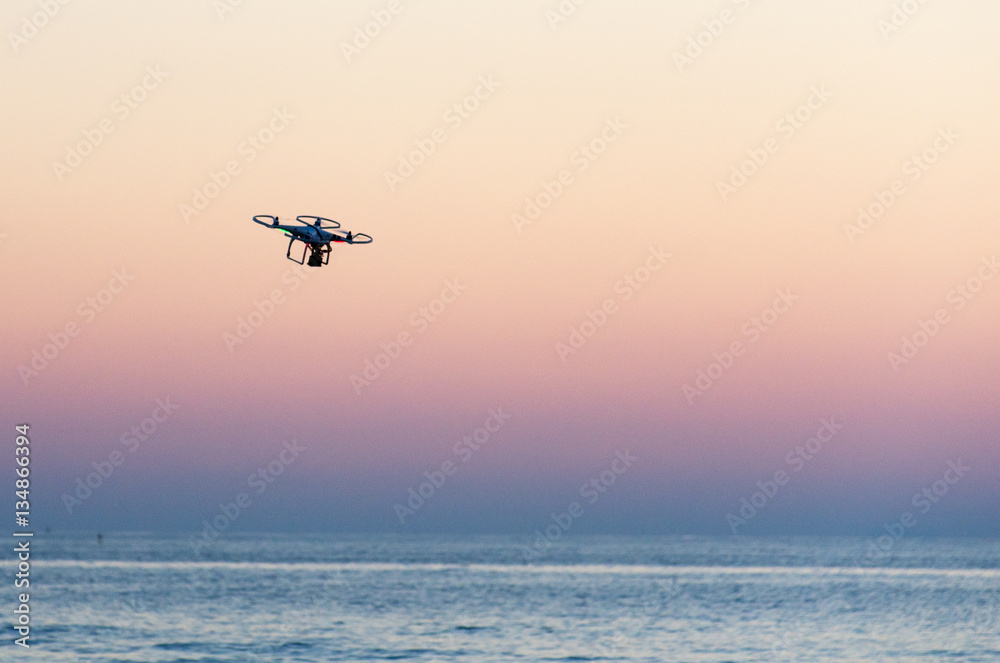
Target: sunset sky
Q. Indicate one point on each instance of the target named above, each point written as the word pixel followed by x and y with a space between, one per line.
pixel 574 215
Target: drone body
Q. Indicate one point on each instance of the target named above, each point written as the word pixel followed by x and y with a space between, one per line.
pixel 316 236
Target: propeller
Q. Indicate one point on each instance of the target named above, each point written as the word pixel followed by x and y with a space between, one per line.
pixel 358 238
pixel 272 223
pixel 317 221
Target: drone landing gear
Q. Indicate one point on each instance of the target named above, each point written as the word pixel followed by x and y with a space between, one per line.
pixel 319 254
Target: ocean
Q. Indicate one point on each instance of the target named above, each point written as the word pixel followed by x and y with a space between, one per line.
pixel 318 598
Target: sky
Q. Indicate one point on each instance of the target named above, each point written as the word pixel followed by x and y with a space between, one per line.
pixel 712 267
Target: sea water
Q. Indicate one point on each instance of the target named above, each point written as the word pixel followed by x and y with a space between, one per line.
pixel 319 598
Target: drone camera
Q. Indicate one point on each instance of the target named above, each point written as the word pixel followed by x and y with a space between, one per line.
pixel 319 255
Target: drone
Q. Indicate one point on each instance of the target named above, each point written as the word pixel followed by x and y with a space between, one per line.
pixel 317 233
